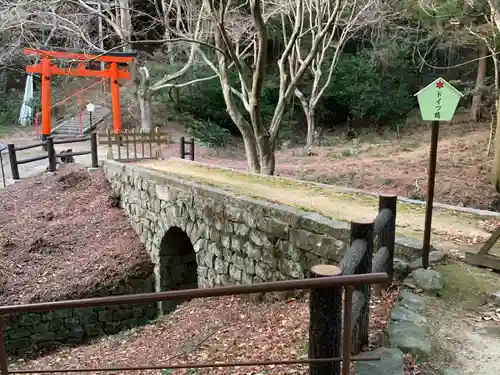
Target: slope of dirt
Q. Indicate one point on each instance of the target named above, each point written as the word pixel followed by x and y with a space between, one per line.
pixel 399 166
pixel 228 329
pixel 60 238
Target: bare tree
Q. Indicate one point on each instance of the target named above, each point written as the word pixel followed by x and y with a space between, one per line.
pixel 475 108
pixel 183 38
pixel 488 35
pixel 348 17
pixel 236 46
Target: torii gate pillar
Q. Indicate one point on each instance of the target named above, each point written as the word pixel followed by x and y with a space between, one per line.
pixel 113 72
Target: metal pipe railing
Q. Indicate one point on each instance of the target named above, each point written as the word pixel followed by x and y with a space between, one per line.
pixel 322 284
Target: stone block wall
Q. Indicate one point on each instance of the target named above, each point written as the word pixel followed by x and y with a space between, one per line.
pixel 237 240
pixel 35 332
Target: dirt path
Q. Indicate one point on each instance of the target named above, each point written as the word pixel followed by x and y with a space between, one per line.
pixel 451 229
pixel 461 338
pixel 471 350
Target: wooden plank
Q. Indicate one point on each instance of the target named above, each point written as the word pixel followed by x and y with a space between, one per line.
pixel 113 142
pixel 126 139
pixel 159 154
pixel 130 138
pixel 147 135
pixel 483 260
pixel 150 141
pixel 142 143
pixel 491 241
pixel 135 142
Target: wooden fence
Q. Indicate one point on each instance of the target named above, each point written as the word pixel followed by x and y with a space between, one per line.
pixel 371 250
pixel 133 145
pixel 183 152
pixel 49 152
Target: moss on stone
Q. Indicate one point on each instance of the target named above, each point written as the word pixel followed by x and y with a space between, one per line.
pixel 466 285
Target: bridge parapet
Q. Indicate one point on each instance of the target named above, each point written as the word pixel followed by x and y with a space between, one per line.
pixel 236 239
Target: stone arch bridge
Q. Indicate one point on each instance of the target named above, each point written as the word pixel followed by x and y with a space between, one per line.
pixel 201 236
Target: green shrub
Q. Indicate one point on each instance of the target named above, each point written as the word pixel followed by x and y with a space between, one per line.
pixel 208 133
pixel 374 90
pixel 205 103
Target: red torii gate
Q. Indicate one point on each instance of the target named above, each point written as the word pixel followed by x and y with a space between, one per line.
pixel 113 72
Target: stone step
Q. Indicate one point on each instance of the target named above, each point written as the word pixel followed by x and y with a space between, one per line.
pixel 72 125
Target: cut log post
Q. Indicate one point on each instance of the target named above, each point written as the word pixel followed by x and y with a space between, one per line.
pixel 363 231
pixel 387 237
pixel 325 333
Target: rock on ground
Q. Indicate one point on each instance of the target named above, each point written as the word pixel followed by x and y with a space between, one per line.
pixel 495 298
pixel 401 268
pixel 407 330
pixel 428 280
pixel 402 314
pixel 411 301
pixel 391 363
pixel 434 257
pixel 409 338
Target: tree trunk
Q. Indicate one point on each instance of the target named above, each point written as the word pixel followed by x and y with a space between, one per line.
pixel 146 112
pixel 310 113
pixel 311 124
pixel 497 150
pixel 475 109
pixel 251 152
pixel 144 99
pixel 126 24
pixel 267 158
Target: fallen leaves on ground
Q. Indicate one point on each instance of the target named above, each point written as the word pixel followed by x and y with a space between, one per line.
pixel 61 239
pixel 211 330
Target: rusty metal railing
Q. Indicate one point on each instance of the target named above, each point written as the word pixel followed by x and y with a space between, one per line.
pixel 325 354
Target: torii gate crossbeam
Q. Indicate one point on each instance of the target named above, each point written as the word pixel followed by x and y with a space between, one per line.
pixel 46 69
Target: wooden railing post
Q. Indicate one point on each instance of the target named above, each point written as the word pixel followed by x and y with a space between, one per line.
pixel 13 161
pixel 183 148
pixel 387 237
pixel 94 150
pixel 118 138
pixel 4 365
pixel 192 149
pixel 325 322
pixel 159 153
pixel 126 144
pixel 51 153
pixel 363 231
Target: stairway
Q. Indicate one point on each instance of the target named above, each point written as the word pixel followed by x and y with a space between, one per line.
pixel 71 126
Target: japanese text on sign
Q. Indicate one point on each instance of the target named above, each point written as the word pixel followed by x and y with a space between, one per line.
pixel 439 95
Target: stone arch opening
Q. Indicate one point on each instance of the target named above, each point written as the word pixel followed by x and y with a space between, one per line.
pixel 178 267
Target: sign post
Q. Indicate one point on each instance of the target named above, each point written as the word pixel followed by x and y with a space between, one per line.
pixel 90 110
pixel 438 102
